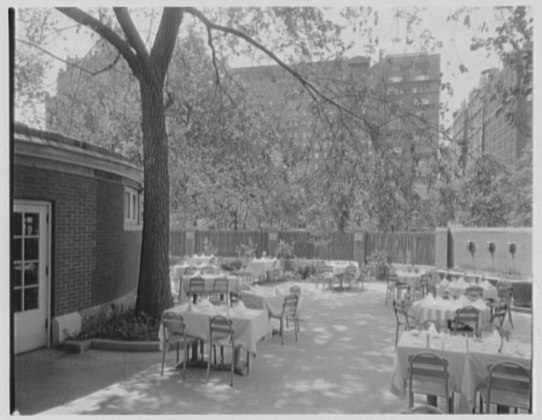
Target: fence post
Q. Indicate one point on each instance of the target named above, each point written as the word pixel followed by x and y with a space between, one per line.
pixel 359 248
pixel 190 242
pixel 272 242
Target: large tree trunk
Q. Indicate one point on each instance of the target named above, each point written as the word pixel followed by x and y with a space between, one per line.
pixel 154 291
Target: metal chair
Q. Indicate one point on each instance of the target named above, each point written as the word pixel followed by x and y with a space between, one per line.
pixel 350 275
pixel 508 384
pixel 221 334
pixel 401 316
pixel 327 276
pixel 220 292
pixel 466 321
pixel 505 296
pixel 207 269
pixel 196 287
pixel 424 283
pixel 296 290
pixel 391 280
pixel 289 312
pixel 173 329
pixel 428 375
pixel 235 298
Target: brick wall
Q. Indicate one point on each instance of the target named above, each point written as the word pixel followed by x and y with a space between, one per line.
pixel 117 251
pixel 93 260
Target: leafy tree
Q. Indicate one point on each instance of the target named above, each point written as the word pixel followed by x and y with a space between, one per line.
pixel 149 63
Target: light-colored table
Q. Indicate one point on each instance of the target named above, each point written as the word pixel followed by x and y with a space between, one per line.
pixel 339 268
pixel 199 259
pixel 249 325
pixel 468 359
pixel 458 287
pixel 442 310
pixel 259 267
pixel 176 273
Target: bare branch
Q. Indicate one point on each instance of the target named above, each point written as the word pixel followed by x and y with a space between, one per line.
pixel 311 88
pixel 69 63
pixel 105 32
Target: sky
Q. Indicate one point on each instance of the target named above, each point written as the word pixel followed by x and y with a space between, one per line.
pixel 454 36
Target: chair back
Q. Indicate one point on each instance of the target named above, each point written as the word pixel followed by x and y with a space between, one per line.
pixel 196 285
pixel 499 313
pixel 428 370
pixel 392 278
pixel 220 328
pixel 172 323
pixel 511 380
pixel 289 306
pixel 296 290
pixel 425 281
pixel 467 315
pixel 221 285
pixel 401 314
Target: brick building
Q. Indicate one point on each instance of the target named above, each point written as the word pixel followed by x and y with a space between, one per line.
pixel 75 234
pixel 483 124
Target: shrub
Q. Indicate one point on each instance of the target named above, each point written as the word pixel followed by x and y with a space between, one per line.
pixel 126 326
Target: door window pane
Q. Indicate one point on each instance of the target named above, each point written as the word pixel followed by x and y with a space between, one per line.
pixel 17 273
pixel 31 273
pixel 16 295
pixel 31 224
pixel 31 249
pixel 16 224
pixel 31 298
pixel 16 253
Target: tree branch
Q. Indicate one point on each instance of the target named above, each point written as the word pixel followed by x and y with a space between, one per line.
pixel 312 89
pixel 105 32
pixel 132 35
pixel 164 43
pixel 69 63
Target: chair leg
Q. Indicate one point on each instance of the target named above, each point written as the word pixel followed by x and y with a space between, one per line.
pixel 166 344
pixel 248 362
pixel 295 329
pixel 209 359
pixel 185 359
pixel 177 352
pixel 510 317
pixel 221 357
pixel 232 365
pixel 282 329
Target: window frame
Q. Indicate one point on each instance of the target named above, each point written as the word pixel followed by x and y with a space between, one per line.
pixel 132 209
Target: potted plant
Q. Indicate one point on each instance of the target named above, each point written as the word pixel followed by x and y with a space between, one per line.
pixel 471 247
pixel 285 252
pixel 491 249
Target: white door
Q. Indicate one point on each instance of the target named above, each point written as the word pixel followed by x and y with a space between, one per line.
pixel 30 272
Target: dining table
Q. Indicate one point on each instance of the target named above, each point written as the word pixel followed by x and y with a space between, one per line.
pixel 468 359
pixel 339 267
pixel 459 286
pixel 442 310
pixel 250 326
pixel 234 283
pixel 259 267
pixel 269 299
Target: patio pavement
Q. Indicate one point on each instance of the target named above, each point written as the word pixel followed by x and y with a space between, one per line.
pixel 341 365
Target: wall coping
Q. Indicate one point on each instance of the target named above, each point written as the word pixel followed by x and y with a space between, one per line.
pixel 48 145
pixel 492 229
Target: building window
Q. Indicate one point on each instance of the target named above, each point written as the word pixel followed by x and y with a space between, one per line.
pixel 421 77
pixel 133 219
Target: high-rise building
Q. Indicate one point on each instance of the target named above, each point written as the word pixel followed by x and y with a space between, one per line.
pixel 404 98
pixel 494 120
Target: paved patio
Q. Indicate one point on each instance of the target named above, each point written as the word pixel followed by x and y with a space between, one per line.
pixel 341 365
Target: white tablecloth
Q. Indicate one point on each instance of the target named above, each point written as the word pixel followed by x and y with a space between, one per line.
pixel 249 325
pixel 199 259
pixel 442 310
pixel 176 273
pixel 468 360
pixel 259 267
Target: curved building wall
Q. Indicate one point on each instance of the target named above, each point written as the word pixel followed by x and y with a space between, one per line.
pixel 94 254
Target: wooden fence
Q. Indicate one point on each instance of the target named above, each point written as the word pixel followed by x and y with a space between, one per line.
pixel 401 247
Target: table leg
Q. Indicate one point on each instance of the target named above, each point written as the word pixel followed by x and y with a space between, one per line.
pixel 238 369
pixel 194 362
